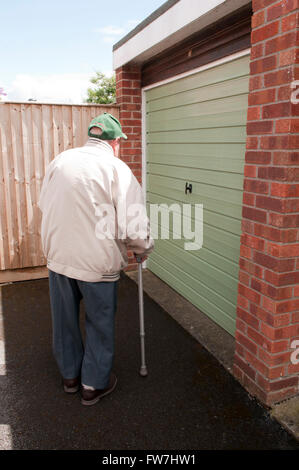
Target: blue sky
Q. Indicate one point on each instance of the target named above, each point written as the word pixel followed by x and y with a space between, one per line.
pixel 50 49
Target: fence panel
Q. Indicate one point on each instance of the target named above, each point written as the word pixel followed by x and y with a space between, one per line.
pixel 31 135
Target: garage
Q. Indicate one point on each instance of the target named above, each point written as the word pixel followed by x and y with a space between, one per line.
pixel 196 135
pixel 185 78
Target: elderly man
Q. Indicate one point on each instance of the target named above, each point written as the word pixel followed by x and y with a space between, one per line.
pixel 92 213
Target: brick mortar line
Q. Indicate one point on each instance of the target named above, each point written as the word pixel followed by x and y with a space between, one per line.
pixel 270 210
pixel 271 103
pixel 270 38
pixel 289 340
pixel 265 9
pixel 267 211
pixel 270 241
pixel 270 285
pixel 257 371
pixel 271 367
pixel 253 178
pixel 277 69
pixel 271 313
pixel 280 244
pixel 268 379
pixel 272 71
pixel 274 54
pixel 274 133
pixel 283 198
pixel 272 87
pixel 288 351
pixel 292 286
pixel 283 165
pixel 271 163
pixel 275 88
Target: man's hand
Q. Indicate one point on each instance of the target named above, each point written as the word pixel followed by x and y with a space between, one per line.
pixel 140 258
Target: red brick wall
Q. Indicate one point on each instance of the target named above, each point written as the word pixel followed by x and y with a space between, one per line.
pixel 128 95
pixel 268 300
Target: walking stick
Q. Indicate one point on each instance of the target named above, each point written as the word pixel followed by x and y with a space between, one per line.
pixel 143 368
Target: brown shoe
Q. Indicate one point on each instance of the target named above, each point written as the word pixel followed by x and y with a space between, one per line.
pixel 71 385
pixel 90 397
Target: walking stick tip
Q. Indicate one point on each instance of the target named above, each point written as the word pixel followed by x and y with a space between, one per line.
pixel 143 371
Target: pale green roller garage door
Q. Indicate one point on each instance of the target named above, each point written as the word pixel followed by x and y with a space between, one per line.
pixel 196 133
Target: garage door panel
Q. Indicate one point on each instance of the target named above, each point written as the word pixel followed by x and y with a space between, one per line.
pixel 176 187
pixel 200 271
pixel 189 290
pixel 196 133
pixel 216 208
pixel 223 150
pixel 229 134
pixel 233 69
pixel 210 254
pixel 216 91
pixel 199 175
pixel 211 218
pixel 218 241
pixel 231 165
pixel 220 106
pixel 174 123
pixel 203 291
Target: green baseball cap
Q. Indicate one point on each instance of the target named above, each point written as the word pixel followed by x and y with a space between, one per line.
pixel 109 125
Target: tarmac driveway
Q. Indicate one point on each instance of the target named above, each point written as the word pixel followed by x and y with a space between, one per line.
pixel 188 401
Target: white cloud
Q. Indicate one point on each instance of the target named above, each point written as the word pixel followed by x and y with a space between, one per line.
pixel 109 39
pixel 111 30
pixel 56 88
pixel 112 33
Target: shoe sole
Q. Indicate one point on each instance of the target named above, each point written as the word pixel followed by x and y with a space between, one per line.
pixel 95 400
pixel 71 389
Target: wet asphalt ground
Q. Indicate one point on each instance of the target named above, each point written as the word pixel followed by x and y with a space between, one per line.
pixel 188 401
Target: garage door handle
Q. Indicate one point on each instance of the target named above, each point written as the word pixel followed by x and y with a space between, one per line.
pixel 188 188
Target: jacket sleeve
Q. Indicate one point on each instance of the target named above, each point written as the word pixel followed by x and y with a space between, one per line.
pixel 44 188
pixel 132 221
pixel 45 185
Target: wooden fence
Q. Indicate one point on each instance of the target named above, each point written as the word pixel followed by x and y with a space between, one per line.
pixel 31 134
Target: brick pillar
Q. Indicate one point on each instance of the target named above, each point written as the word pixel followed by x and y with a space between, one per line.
pixel 268 300
pixel 128 96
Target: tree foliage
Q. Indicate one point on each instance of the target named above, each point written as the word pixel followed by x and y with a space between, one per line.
pixel 103 89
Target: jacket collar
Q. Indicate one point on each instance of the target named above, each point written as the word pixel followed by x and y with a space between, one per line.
pixel 99 144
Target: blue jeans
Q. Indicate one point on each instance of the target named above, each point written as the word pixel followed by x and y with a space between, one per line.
pixel 94 361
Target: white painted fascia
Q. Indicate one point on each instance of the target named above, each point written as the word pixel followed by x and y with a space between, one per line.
pixel 180 21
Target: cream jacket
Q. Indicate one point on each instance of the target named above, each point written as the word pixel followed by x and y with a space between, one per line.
pixel 92 212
